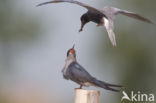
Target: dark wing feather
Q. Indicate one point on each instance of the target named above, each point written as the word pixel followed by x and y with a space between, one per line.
pixel 78 74
pixel 74 2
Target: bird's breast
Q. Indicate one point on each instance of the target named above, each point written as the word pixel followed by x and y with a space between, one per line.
pixel 95 17
pixel 68 62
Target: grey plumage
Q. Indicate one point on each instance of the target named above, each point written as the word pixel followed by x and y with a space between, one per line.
pixel 90 8
pixel 78 74
pixel 107 19
pixel 111 12
pixel 75 72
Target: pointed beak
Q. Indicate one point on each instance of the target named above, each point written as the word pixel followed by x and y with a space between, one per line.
pixel 73 46
pixel 82 25
pixel 72 49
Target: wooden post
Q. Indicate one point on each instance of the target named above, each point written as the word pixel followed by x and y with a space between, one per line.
pixel 86 96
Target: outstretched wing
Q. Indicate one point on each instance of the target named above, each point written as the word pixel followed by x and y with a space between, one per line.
pixel 74 2
pixel 136 16
pixel 130 14
pixel 110 29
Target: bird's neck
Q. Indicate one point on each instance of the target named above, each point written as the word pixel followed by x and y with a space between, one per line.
pixel 69 60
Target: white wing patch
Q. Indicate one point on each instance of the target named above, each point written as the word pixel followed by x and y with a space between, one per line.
pixel 110 29
pixel 106 22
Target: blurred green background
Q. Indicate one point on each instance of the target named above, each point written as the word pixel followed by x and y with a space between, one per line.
pixel 34 42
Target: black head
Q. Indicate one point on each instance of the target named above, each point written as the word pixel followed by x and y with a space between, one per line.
pixel 71 52
pixel 84 19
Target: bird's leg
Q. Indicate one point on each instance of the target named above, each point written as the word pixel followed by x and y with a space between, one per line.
pixel 80 86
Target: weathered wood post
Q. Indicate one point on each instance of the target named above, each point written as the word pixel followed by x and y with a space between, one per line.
pixel 86 96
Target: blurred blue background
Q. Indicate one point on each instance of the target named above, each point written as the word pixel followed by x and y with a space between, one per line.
pixel 34 41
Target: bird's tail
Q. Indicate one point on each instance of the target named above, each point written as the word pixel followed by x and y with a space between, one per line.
pixel 106 86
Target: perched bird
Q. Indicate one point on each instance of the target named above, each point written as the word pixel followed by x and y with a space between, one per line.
pixel 75 72
pixel 102 17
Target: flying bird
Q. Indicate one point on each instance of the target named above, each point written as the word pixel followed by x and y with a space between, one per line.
pixel 75 72
pixel 102 17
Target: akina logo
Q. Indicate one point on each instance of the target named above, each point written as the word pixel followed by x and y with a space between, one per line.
pixel 140 97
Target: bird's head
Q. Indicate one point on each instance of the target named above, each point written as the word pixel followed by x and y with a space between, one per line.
pixel 71 52
pixel 84 20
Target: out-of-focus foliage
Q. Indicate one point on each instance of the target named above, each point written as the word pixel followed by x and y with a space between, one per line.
pixel 16 27
pixel 16 24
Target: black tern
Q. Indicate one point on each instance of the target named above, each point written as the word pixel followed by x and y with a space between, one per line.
pixel 102 17
pixel 75 72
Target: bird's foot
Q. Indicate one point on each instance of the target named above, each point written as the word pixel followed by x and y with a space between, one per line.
pixel 80 87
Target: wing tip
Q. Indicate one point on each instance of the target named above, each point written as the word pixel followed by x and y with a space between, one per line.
pixel 112 89
pixel 40 4
pixel 114 44
pixel 113 41
pixel 43 3
pixel 150 22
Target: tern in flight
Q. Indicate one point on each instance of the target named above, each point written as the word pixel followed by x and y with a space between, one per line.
pixel 104 16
